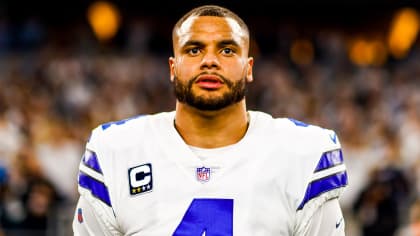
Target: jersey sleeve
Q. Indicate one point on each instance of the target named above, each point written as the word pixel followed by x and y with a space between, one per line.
pixel 94 211
pixel 86 221
pixel 327 220
pixel 326 180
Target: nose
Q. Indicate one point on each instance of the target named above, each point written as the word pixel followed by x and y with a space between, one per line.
pixel 210 61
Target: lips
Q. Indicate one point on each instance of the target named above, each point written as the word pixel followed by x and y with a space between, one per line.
pixel 209 81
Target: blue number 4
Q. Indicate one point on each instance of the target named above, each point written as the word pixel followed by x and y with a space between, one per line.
pixel 212 216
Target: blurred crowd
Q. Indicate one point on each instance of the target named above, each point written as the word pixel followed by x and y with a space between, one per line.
pixel 52 96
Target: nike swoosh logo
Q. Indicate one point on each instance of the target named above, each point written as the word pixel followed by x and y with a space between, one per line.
pixel 337 224
pixel 333 137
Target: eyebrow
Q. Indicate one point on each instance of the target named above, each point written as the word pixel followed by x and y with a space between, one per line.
pixel 227 42
pixel 193 43
pixel 220 44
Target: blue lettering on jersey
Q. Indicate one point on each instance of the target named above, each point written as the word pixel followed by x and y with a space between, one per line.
pixel 140 179
pixel 212 216
pixel 298 123
pixel 96 187
pixel 330 159
pixel 119 122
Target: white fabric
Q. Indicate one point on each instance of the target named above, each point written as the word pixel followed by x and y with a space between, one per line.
pixel 265 174
pixel 328 220
pixel 94 225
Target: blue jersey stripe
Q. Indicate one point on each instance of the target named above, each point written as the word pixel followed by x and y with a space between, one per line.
pixel 119 122
pixel 330 159
pixel 97 188
pixel 91 160
pixel 298 122
pixel 323 185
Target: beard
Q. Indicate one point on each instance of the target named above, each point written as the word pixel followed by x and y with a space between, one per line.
pixel 184 94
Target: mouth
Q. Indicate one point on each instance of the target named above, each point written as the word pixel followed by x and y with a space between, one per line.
pixel 209 81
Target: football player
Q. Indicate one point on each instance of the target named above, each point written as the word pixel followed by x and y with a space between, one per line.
pixel 211 167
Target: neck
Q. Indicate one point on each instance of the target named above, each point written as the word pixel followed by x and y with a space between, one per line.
pixel 211 129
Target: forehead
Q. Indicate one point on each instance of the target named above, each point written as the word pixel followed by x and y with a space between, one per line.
pixel 195 26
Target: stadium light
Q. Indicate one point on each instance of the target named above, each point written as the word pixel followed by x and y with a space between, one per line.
pixel 104 18
pixel 365 52
pixel 302 52
pixel 403 32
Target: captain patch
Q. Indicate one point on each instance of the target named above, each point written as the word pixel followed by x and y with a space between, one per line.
pixel 140 179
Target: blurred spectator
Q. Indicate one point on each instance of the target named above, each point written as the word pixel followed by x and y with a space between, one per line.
pixel 412 228
pixel 386 196
pixel 39 202
pixel 377 207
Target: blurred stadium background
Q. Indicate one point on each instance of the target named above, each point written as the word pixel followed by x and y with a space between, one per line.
pixel 67 66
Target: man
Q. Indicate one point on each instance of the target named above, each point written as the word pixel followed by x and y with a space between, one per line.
pixel 210 167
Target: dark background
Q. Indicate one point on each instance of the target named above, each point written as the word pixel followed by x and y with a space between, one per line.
pixel 327 12
pixel 62 21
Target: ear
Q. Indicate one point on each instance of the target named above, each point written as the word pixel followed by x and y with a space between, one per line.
pixel 172 68
pixel 250 64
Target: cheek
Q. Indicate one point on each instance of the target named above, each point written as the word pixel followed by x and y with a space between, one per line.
pixel 184 67
pixel 236 70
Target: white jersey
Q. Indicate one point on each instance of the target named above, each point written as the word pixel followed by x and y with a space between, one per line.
pixel 140 178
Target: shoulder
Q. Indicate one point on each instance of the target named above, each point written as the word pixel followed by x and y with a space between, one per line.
pixel 296 132
pixel 314 159
pixel 311 134
pixel 108 149
pixel 126 131
pixel 322 167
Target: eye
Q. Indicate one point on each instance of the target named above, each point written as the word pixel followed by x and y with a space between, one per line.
pixel 227 51
pixel 194 51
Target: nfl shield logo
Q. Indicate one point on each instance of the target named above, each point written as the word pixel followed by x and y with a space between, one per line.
pixel 79 215
pixel 203 174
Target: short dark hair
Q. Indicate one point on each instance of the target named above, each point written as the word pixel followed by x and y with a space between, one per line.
pixel 211 10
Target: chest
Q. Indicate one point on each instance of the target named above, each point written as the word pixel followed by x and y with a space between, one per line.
pixel 165 193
